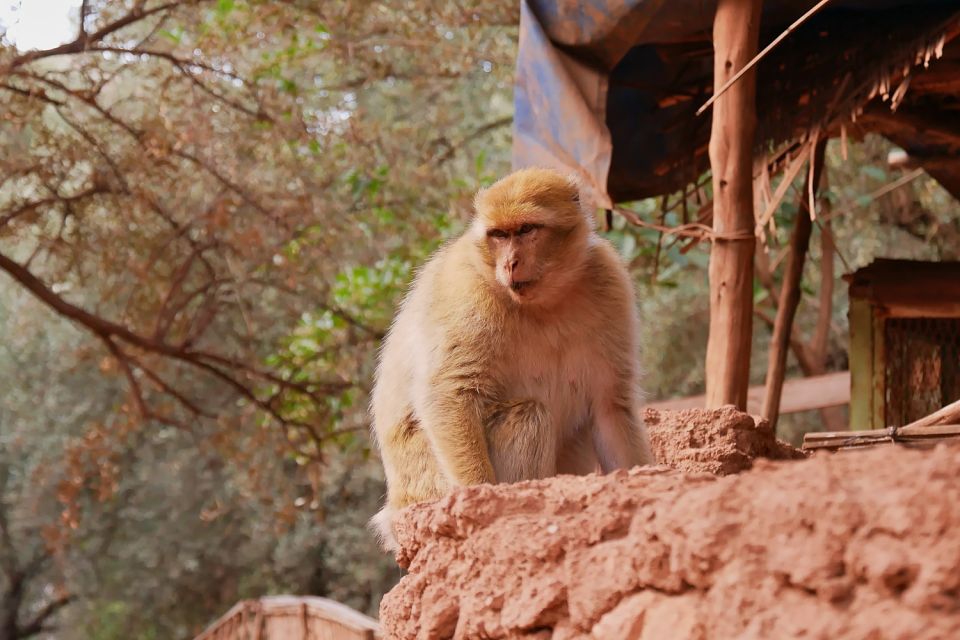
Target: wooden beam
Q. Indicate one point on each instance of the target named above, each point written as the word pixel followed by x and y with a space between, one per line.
pixel 736 27
pixel 906 436
pixel 909 289
pixel 799 394
pixel 789 298
pixel 939 425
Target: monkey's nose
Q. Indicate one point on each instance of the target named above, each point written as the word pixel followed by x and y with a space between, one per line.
pixel 513 264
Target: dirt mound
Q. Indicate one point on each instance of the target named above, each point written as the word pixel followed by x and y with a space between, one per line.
pixel 849 545
pixel 720 441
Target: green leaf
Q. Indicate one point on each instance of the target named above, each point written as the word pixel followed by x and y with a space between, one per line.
pixel 175 36
pixel 481 161
pixel 873 172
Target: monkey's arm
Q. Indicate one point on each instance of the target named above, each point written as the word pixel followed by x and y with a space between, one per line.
pixel 454 423
pixel 618 436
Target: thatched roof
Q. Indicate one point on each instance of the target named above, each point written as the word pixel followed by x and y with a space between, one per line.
pixel 610 87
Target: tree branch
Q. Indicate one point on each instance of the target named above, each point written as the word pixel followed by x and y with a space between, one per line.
pixel 36 625
pixel 81 42
pixel 203 360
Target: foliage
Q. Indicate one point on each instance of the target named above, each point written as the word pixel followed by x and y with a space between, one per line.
pixel 225 199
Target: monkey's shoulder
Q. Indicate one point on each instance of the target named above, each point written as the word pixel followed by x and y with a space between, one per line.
pixel 607 276
pixel 448 293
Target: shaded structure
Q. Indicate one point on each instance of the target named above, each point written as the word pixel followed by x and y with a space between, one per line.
pixel 292 618
pixel 904 341
pixel 610 89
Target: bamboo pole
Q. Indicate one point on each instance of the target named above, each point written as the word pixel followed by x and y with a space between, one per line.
pixel 753 61
pixel 790 290
pixel 858 439
pixel 948 414
pixel 736 28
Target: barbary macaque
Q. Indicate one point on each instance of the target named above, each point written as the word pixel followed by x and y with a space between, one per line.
pixel 514 355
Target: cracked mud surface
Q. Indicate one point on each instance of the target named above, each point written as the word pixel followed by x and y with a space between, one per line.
pixel 851 545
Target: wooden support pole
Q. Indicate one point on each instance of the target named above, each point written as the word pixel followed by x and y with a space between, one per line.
pixel 790 291
pixel 735 32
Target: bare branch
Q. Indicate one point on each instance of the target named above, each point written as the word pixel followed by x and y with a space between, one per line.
pixel 84 11
pixel 55 199
pixel 124 365
pixel 80 44
pixel 38 623
pixel 206 361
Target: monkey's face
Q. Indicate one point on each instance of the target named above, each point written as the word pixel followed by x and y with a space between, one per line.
pixel 531 234
pixel 520 257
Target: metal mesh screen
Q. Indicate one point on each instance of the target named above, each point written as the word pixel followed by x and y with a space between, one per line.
pixel 923 367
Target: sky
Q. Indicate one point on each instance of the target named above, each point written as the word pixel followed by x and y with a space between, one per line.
pixel 38 24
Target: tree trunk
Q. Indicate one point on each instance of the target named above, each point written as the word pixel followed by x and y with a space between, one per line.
pixel 735 32
pixel 790 291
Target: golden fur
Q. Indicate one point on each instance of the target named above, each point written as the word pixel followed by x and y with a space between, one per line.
pixel 514 354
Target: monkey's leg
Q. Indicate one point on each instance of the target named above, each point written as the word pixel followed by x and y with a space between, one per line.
pixel 413 475
pixel 452 419
pixel 619 437
pixel 521 442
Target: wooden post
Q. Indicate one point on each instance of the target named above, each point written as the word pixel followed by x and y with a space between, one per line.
pixel 735 32
pixel 789 298
pixel 867 367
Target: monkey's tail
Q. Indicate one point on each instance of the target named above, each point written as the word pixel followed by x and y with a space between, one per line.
pixel 382 525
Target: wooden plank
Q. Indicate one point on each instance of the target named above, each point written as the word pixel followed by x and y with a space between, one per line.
pixel 736 28
pixel 860 319
pixel 910 436
pixel 799 394
pixel 878 370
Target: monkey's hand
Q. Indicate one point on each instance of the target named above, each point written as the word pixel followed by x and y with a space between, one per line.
pixel 453 422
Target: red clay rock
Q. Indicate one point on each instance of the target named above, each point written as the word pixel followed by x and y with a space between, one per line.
pixel 851 545
pixel 720 441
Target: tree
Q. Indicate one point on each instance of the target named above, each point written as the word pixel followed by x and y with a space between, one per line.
pixel 200 188
pixel 238 150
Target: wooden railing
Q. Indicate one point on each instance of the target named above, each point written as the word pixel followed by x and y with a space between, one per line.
pixel 799 394
pixel 292 618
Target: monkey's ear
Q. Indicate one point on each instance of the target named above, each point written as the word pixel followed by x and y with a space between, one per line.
pixel 476 199
pixel 576 186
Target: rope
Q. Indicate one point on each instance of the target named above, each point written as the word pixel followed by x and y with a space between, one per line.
pixel 690 230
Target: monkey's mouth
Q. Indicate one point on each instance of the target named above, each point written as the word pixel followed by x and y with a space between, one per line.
pixel 520 287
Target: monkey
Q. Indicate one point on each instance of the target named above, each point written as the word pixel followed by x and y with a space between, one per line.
pixel 513 355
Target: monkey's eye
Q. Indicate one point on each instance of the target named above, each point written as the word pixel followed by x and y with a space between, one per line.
pixel 527 228
pixel 496 233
